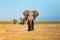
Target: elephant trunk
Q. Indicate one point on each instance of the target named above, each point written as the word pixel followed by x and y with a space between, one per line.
pixel 30 22
pixel 31 19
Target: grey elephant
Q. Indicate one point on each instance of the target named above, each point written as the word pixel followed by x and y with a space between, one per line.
pixel 21 21
pixel 14 21
pixel 30 16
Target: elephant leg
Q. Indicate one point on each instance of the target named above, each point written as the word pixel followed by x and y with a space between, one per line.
pixel 32 25
pixel 29 27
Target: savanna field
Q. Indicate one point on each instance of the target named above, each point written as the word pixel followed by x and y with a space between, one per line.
pixel 42 31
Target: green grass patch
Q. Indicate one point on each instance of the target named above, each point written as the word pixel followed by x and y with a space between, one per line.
pixel 6 22
pixel 37 22
pixel 49 22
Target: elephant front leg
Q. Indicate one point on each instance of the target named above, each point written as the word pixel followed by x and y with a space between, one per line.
pixel 32 25
pixel 29 27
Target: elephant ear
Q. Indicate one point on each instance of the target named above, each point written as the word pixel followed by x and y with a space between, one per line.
pixel 35 13
pixel 26 13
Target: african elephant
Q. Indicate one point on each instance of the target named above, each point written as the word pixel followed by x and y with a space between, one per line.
pixel 22 21
pixel 30 16
pixel 14 21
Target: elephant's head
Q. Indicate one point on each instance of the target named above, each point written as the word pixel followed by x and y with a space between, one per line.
pixel 28 13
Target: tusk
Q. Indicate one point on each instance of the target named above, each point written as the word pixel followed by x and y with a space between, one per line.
pixel 34 21
pixel 27 21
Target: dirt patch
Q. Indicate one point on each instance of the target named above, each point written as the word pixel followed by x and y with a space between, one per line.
pixel 19 32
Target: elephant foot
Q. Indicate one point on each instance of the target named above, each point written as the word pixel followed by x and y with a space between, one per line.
pixel 32 29
pixel 29 30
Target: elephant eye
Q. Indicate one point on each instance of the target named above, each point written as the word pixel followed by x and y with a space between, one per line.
pixel 34 12
pixel 27 12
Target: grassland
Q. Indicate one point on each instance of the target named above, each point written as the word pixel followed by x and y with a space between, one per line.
pixel 37 22
pixel 6 22
pixel 42 31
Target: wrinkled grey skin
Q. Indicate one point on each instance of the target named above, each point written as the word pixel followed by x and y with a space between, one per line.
pixel 30 16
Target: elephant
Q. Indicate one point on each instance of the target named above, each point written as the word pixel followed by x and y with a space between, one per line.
pixel 14 21
pixel 30 16
pixel 22 21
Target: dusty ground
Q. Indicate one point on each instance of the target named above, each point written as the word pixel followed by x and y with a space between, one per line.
pixel 19 32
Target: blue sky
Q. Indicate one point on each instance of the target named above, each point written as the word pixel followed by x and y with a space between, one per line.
pixel 49 10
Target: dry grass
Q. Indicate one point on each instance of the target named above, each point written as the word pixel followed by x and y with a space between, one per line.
pixel 19 32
